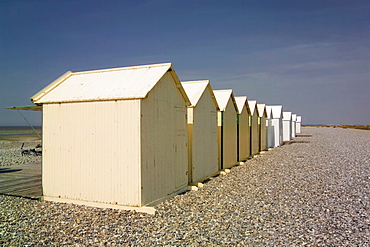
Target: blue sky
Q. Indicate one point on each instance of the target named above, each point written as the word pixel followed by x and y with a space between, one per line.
pixel 313 57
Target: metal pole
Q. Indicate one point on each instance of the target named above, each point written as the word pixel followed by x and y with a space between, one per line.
pixel 29 123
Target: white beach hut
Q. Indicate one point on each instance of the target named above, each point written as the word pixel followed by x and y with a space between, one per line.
pixel 253 124
pixel 227 117
pixel 243 128
pixel 115 136
pixel 287 126
pixel 298 124
pixel 277 124
pixel 269 128
pixel 262 129
pixel 202 130
pixel 294 120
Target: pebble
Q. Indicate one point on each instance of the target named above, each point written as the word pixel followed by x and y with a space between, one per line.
pixel 10 153
pixel 313 192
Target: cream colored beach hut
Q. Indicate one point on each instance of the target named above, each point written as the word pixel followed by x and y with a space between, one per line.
pixel 115 136
pixel 298 124
pixel 294 120
pixel 243 128
pixel 262 129
pixel 202 130
pixel 227 128
pixel 277 124
pixel 287 126
pixel 269 128
pixel 253 125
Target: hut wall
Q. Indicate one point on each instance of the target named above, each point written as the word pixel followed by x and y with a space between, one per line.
pixel 244 135
pixel 91 151
pixel 298 124
pixel 254 133
pixel 270 133
pixel 276 125
pixel 204 138
pixel 263 133
pixel 293 128
pixel 164 142
pixel 287 130
pixel 229 135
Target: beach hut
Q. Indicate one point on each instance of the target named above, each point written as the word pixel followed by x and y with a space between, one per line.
pixel 243 128
pixel 253 125
pixel 287 126
pixel 115 136
pixel 298 124
pixel 277 125
pixel 227 117
pixel 294 120
pixel 202 130
pixel 269 128
pixel 262 130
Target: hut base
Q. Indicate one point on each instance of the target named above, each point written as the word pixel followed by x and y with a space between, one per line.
pixel 148 210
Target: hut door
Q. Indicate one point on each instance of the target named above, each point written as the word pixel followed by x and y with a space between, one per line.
pixel 181 148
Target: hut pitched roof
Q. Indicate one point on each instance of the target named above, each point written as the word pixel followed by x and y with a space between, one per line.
pixel 106 84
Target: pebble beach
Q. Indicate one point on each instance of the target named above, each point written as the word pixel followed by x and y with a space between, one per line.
pixel 313 191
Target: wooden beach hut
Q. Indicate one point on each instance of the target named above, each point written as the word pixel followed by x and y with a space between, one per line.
pixel 294 120
pixel 287 126
pixel 277 124
pixel 262 129
pixel 115 136
pixel 227 128
pixel 298 124
pixel 243 128
pixel 202 130
pixel 253 125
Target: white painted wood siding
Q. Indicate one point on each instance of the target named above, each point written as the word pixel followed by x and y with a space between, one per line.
pixel 276 125
pixel 244 134
pixel 270 133
pixel 262 133
pixel 204 138
pixel 254 133
pixel 287 130
pixel 294 120
pixel 298 124
pixel 164 142
pixel 91 151
pixel 229 145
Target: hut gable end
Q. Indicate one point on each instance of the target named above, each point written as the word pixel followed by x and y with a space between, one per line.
pixel 163 141
pixel 242 101
pixel 195 90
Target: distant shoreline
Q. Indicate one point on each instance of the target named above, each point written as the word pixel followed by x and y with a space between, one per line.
pixel 20 133
pixel 361 127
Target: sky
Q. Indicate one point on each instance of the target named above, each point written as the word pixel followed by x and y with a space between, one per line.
pixel 312 57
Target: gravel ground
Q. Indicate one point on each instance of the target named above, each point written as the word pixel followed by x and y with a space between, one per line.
pixel 10 153
pixel 313 191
